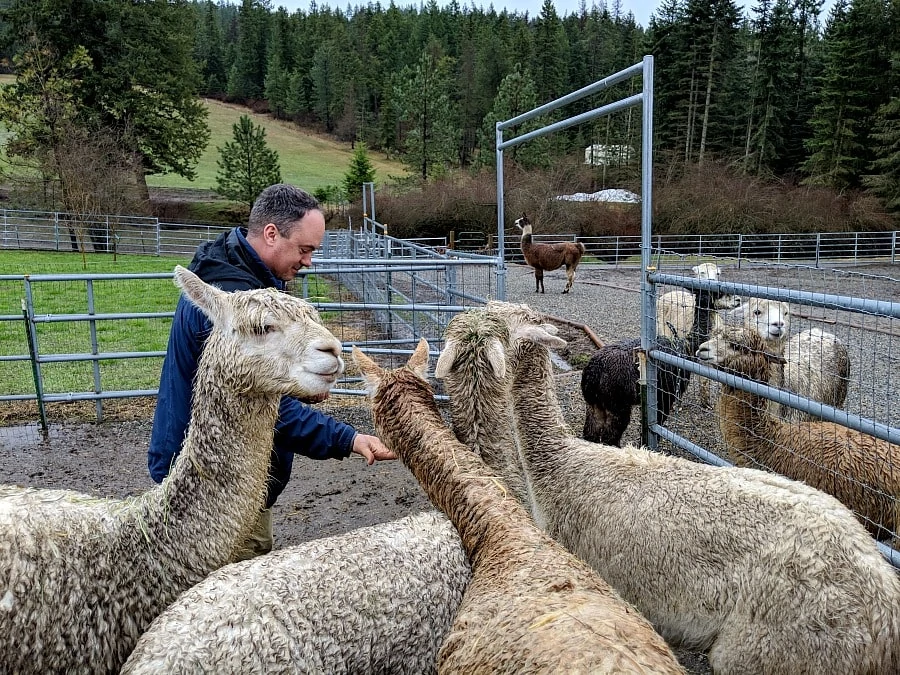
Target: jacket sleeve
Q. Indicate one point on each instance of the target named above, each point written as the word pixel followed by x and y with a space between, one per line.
pixel 304 430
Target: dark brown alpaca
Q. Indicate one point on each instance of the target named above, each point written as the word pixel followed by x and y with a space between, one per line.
pixel 531 607
pixel 548 257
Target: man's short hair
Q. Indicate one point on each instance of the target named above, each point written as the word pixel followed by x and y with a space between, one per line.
pixel 282 205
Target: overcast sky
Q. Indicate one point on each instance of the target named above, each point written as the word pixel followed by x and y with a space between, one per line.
pixel 642 9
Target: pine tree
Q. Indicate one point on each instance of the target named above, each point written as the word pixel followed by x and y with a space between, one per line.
pixel 361 171
pixel 884 181
pixel 517 95
pixel 422 95
pixel 246 165
pixel 854 86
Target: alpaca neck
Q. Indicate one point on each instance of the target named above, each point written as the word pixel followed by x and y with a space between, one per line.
pixel 481 411
pixel 453 477
pixel 220 475
pixel 745 425
pixel 538 416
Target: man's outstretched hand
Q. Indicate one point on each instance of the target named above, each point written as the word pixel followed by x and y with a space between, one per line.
pixel 372 448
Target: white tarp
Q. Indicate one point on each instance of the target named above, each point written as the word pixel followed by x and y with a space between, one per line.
pixel 610 195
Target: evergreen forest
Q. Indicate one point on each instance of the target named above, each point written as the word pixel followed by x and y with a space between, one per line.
pixel 781 96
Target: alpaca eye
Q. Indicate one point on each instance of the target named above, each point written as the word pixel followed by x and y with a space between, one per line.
pixel 264 329
pixel 757 312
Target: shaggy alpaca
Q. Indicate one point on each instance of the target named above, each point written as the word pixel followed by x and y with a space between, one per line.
pixel 82 577
pixel 548 257
pixel 379 599
pixel 609 382
pixel 817 366
pixel 531 606
pixel 770 575
pixel 858 469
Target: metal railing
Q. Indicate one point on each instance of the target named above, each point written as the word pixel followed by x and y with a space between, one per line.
pixel 383 295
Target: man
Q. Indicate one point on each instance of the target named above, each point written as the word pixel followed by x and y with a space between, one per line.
pixel 285 227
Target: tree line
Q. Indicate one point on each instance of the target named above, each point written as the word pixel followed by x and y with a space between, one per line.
pixel 781 93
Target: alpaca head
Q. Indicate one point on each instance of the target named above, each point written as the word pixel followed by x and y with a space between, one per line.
pixel 271 342
pixel 412 376
pixel 482 338
pixel 740 350
pixel 709 271
pixel 523 224
pixel 769 318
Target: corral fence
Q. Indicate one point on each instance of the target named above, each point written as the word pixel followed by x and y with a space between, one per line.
pixel 59 231
pixel 777 267
pixel 90 338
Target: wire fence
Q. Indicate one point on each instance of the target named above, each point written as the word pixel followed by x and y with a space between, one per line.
pixel 59 231
pixel 827 415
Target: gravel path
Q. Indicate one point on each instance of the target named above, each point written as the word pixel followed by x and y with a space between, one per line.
pixel 330 497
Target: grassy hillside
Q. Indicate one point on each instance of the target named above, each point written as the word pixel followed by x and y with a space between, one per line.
pixel 307 159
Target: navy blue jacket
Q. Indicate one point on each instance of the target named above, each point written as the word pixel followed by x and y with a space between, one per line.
pixel 230 263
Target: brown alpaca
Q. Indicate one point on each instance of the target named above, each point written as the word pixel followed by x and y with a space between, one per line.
pixel 860 470
pixel 548 257
pixel 531 607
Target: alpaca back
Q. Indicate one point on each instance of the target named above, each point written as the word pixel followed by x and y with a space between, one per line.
pixel 312 608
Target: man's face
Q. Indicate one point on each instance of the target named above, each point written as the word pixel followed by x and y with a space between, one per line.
pixel 285 256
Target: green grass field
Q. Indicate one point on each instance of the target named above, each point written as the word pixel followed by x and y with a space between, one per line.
pixel 307 160
pixel 74 337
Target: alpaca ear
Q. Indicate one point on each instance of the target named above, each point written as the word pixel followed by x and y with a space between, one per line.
pixel 496 357
pixel 539 336
pixel 418 362
pixel 209 299
pixel 371 372
pixel 446 359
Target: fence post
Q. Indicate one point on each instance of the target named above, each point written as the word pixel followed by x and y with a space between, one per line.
pixel 95 363
pixel 158 243
pixel 31 335
pixel 56 229
pixel 818 248
pixel 740 246
pixel 893 246
pixel 856 248
pixel 778 259
pixel 617 252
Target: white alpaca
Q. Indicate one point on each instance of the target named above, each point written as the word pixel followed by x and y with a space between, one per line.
pixel 531 607
pixel 379 599
pixel 771 319
pixel 817 366
pixel 769 575
pixel 675 309
pixel 80 577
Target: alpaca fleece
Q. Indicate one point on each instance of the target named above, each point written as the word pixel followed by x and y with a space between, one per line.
pixel 80 577
pixel 530 607
pixel 378 599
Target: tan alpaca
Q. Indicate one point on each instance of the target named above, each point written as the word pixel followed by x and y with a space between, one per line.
pixel 531 607
pixel 860 470
pixel 80 577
